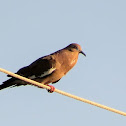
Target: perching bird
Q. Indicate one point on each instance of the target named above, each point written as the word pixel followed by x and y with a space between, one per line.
pixel 48 69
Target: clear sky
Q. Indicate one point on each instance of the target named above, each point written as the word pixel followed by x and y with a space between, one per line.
pixel 30 29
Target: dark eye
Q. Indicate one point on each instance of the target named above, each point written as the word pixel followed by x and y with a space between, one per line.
pixel 70 50
pixel 75 47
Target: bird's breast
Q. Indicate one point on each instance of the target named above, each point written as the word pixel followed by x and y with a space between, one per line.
pixel 73 62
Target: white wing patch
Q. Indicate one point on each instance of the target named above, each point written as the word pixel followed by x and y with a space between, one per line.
pixel 32 77
pixel 44 74
pixel 47 72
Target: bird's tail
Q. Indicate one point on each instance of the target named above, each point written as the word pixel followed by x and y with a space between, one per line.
pixel 9 83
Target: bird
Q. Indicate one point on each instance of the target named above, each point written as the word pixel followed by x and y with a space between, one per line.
pixel 47 69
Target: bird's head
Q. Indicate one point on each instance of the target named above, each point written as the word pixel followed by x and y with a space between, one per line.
pixel 74 47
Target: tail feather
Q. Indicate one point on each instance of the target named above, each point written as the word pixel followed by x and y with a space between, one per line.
pixel 9 83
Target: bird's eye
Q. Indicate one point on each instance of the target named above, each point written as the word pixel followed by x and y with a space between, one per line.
pixel 70 50
pixel 75 47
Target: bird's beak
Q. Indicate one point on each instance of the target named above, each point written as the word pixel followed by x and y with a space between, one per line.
pixel 82 53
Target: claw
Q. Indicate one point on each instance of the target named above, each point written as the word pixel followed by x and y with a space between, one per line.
pixel 52 89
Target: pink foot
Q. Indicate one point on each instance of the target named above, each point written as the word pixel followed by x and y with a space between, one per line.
pixel 52 89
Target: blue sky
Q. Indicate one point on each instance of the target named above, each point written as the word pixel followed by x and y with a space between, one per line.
pixel 32 29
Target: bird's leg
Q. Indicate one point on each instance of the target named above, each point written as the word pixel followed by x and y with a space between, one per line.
pixel 52 89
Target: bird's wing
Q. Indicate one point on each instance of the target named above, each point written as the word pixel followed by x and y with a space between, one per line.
pixel 40 68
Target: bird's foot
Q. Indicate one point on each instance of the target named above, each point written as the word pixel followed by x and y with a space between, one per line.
pixel 51 90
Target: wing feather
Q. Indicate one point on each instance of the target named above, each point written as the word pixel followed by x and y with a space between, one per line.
pixel 42 67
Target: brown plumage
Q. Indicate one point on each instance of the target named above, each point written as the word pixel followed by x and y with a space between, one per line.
pixel 48 69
